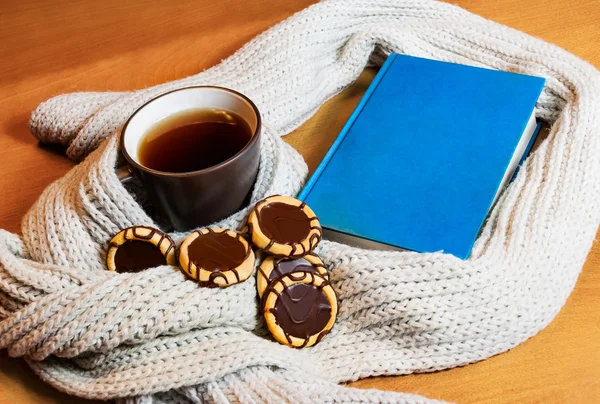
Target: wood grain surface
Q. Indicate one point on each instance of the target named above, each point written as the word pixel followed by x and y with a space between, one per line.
pixel 49 47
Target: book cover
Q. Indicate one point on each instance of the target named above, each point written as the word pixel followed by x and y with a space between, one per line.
pixel 426 152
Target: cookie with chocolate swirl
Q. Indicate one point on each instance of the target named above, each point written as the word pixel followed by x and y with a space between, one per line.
pixel 216 257
pixel 284 227
pixel 273 268
pixel 299 308
pixel 139 247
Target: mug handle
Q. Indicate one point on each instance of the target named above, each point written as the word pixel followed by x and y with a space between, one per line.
pixel 124 174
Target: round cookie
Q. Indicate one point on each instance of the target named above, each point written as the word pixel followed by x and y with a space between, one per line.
pixel 216 257
pixel 273 268
pixel 139 247
pixel 284 227
pixel 299 308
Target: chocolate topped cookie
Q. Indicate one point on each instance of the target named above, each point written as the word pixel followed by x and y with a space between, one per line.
pixel 283 226
pixel 216 257
pixel 300 308
pixel 273 268
pixel 139 247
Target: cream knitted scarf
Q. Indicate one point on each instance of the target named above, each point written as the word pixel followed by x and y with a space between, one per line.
pixel 157 337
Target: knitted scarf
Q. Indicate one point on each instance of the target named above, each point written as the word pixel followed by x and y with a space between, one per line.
pixel 154 337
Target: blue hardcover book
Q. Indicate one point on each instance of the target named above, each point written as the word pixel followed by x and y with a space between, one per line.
pixel 424 156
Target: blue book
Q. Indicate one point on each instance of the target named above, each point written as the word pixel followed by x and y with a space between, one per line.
pixel 424 156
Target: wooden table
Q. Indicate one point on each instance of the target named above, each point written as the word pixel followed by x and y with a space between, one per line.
pixel 48 47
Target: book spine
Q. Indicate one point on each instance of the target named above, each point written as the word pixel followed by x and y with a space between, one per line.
pixel 338 141
pixel 527 150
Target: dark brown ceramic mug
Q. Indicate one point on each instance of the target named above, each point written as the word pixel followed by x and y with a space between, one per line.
pixel 192 199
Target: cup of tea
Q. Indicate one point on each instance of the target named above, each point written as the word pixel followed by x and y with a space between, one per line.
pixel 196 152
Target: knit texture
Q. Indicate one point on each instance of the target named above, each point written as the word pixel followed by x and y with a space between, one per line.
pixel 155 337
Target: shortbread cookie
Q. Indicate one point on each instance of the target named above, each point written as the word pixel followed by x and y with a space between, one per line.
pixel 274 268
pixel 216 257
pixel 283 226
pixel 140 247
pixel 300 308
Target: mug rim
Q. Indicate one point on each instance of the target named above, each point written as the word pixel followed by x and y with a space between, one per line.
pixel 253 139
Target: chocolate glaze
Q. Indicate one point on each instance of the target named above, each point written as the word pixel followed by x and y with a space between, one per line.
pixel 136 255
pixel 216 252
pixel 284 223
pixel 302 310
pixel 285 266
